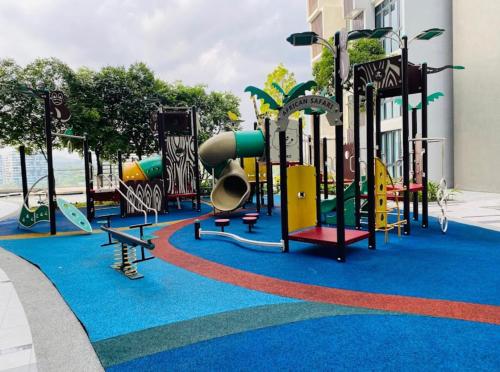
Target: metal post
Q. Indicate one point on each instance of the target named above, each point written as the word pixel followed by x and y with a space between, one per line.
pixel 50 164
pixel 269 167
pixel 406 135
pixel 357 155
pixel 163 149
pixel 24 178
pixel 309 139
pixel 317 166
pixel 301 142
pixel 414 129
pixel 257 178
pixel 339 157
pixel 378 127
pixel 325 168
pixel 370 172
pixel 283 191
pixel 123 209
pixel 425 164
pixel 194 123
pixel 88 181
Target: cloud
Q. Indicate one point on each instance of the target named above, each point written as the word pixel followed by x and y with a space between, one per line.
pixel 224 44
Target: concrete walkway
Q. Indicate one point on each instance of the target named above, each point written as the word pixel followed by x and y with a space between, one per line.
pixel 473 208
pixel 60 341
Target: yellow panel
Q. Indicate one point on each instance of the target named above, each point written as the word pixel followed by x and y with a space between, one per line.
pixel 380 194
pixel 301 197
pixel 132 172
pixel 249 166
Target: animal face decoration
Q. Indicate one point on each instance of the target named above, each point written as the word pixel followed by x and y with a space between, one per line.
pixel 58 106
pixel 292 137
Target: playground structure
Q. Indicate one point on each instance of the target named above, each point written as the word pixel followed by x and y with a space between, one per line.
pixel 174 174
pixel 142 187
pixel 301 212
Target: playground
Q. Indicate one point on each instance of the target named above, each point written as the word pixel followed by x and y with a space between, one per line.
pixel 284 263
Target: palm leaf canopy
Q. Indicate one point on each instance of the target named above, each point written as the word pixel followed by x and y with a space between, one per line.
pixel 260 94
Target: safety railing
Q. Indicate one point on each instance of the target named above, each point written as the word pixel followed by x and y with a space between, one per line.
pixel 134 195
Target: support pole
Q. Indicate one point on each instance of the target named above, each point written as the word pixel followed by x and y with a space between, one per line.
pixel 325 168
pixel 283 191
pixel 425 164
pixel 88 181
pixel 269 167
pixel 163 149
pixel 378 127
pixel 370 172
pixel 257 178
pixel 194 123
pixel 24 177
pixel 414 129
pixel 309 145
pixel 301 142
pixel 339 157
pixel 123 209
pixel 317 166
pixel 50 164
pixel 406 135
pixel 357 154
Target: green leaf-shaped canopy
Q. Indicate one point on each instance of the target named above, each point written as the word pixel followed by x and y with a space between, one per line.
pixel 299 90
pixel 279 89
pixel 259 93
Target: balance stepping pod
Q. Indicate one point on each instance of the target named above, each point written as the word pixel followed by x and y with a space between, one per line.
pixel 221 222
pixel 250 221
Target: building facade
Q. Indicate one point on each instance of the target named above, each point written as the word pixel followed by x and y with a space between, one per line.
pixel 476 45
pixel 406 17
pixel 10 169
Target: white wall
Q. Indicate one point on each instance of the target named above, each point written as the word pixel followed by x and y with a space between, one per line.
pixel 418 16
pixel 477 94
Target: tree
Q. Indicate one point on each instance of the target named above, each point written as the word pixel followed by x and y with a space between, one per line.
pixel 113 107
pixel 280 77
pixel 360 51
pixel 21 115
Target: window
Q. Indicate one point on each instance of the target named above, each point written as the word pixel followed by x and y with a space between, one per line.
pixel 358 22
pixel 389 109
pixel 391 152
pixel 387 15
pixel 317 26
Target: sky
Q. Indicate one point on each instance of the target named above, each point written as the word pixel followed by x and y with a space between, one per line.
pixel 225 44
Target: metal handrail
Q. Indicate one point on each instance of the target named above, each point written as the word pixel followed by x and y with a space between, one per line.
pixel 134 195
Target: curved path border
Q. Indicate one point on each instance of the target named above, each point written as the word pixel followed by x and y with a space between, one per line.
pixel 307 292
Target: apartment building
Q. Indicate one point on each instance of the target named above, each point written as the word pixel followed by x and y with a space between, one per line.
pixel 406 17
pixel 10 169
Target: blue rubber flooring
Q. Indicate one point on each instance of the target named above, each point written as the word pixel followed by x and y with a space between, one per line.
pixel 341 343
pixel 109 304
pixel 461 265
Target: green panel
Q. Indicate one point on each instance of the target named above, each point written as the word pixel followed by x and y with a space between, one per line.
pixel 29 218
pixel 249 143
pixel 151 167
pixel 74 215
pixel 349 215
